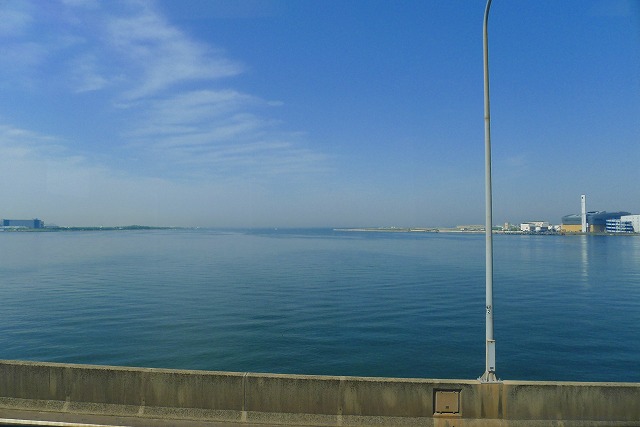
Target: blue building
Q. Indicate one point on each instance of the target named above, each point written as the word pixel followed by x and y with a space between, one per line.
pixel 26 223
pixel 619 226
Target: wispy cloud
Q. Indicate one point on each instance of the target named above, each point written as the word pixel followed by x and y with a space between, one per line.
pixel 176 105
pixel 39 177
pixel 163 55
pixel 20 143
pixel 190 111
pixel 84 71
pixel 15 18
pixel 221 131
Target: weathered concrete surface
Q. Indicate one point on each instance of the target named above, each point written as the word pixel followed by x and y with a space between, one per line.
pixel 146 396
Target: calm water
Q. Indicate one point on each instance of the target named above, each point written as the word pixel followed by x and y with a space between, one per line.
pixel 323 302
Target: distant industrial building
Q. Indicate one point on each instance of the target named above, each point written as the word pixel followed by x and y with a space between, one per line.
pixel 596 221
pixel 589 222
pixel 23 223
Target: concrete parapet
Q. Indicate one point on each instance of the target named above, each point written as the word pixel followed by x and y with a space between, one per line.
pixel 144 394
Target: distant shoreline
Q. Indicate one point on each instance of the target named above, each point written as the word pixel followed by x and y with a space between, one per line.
pixel 346 230
pixel 474 231
pixel 408 230
pixel 96 228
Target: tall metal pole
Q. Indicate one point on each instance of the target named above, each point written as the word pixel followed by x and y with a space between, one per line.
pixel 490 371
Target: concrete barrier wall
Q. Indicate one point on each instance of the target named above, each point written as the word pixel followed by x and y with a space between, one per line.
pixel 146 393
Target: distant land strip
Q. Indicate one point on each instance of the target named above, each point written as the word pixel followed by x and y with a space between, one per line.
pixel 407 230
pixel 476 230
pixel 92 228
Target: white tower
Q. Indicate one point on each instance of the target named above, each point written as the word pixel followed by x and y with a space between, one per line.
pixel 583 199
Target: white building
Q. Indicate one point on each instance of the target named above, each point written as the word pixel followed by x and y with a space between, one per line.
pixel 635 221
pixel 534 226
pixel 526 227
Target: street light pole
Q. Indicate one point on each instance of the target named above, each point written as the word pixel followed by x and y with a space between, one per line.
pixel 489 375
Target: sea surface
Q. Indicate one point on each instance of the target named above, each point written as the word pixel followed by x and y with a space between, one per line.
pixel 320 301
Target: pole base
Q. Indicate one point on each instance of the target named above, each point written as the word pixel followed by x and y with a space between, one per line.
pixel 489 377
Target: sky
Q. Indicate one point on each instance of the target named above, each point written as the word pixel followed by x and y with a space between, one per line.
pixel 272 113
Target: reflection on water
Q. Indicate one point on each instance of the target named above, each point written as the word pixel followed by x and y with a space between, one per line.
pixel 584 258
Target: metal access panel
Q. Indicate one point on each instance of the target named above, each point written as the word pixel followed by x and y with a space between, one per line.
pixel 447 402
pixel 491 355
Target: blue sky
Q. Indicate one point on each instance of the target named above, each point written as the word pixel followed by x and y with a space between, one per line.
pixel 265 113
